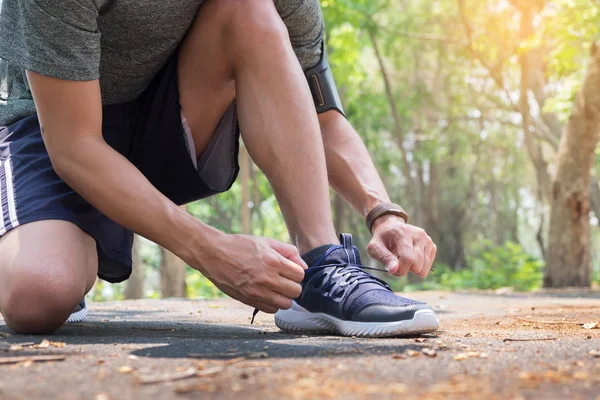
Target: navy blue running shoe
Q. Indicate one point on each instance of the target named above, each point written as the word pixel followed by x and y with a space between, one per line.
pixel 339 297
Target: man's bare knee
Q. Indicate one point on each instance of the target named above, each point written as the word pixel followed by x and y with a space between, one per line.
pixel 39 302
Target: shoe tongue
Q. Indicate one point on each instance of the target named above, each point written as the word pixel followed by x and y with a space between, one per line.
pixel 345 253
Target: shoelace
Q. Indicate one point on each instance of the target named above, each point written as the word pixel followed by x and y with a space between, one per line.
pixel 351 272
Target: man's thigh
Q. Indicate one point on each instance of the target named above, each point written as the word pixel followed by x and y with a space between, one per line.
pixel 47 253
pixel 205 76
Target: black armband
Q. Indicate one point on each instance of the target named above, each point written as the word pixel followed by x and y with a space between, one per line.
pixel 322 86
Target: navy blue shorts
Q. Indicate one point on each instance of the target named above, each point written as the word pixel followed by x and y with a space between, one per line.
pixel 149 131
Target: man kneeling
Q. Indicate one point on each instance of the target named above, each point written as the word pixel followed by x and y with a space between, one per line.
pixel 114 112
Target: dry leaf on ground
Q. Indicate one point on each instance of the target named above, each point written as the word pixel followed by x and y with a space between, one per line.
pixel 412 353
pixel 594 353
pixel 15 360
pixel 125 369
pixel 528 339
pixel 581 375
pixel 196 387
pixel 44 344
pixel 58 345
pixel 209 371
pixel 429 352
pixel 470 354
pixel 592 325
pixel 188 373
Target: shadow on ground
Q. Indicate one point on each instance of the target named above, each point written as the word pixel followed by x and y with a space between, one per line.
pixel 208 341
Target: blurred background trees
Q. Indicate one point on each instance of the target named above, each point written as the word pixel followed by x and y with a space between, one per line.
pixel 465 106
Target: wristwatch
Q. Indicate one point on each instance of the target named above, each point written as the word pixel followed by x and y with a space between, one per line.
pixel 385 209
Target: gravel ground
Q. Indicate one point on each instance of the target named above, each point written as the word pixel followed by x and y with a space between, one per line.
pixel 489 346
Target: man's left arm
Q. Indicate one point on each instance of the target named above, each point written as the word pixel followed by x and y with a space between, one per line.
pixel 401 247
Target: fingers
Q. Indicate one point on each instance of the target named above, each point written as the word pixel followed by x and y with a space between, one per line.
pixel 380 252
pixel 265 307
pixel 433 253
pixel 270 301
pixel 289 269
pixel 283 283
pixel 288 288
pixel 425 246
pixel 265 274
pixel 288 251
pixel 419 258
pixel 268 297
pixel 428 260
pixel 406 257
pixel 278 301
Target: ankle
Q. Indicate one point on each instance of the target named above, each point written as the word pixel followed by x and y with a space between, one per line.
pixel 312 257
pixel 307 244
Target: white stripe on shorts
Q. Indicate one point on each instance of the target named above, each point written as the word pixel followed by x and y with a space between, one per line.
pixel 10 194
pixel 2 227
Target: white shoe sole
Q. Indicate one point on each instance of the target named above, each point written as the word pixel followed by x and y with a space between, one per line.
pixel 299 320
pixel 78 316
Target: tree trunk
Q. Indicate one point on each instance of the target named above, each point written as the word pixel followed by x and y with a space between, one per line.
pixel 172 275
pixel 245 211
pixel 398 131
pixel 135 285
pixel 569 261
pixel 340 217
pixel 532 145
pixel 257 214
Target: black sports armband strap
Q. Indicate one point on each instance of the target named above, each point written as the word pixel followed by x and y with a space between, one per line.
pixel 322 86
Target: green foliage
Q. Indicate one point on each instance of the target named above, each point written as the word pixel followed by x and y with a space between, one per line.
pixel 199 286
pixel 490 267
pixel 567 30
pixel 104 291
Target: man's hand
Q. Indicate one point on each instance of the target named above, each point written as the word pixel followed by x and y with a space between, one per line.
pixel 260 272
pixel 401 247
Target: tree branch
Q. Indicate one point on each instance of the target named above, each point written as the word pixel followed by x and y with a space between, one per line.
pixel 394 110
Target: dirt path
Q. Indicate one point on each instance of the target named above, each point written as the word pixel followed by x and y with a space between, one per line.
pixel 489 347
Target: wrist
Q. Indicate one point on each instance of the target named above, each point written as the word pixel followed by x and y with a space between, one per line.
pixel 376 215
pixel 191 239
pixel 385 219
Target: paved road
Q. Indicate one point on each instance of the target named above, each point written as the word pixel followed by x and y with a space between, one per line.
pixel 490 346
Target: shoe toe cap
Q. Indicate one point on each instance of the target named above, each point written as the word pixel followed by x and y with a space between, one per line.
pixel 388 313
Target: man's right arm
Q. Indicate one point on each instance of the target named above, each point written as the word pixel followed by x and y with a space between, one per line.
pixel 70 114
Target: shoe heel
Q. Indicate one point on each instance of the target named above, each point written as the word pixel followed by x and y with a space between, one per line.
pixel 297 319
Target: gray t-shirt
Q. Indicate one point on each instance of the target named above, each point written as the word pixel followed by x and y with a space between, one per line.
pixel 124 43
